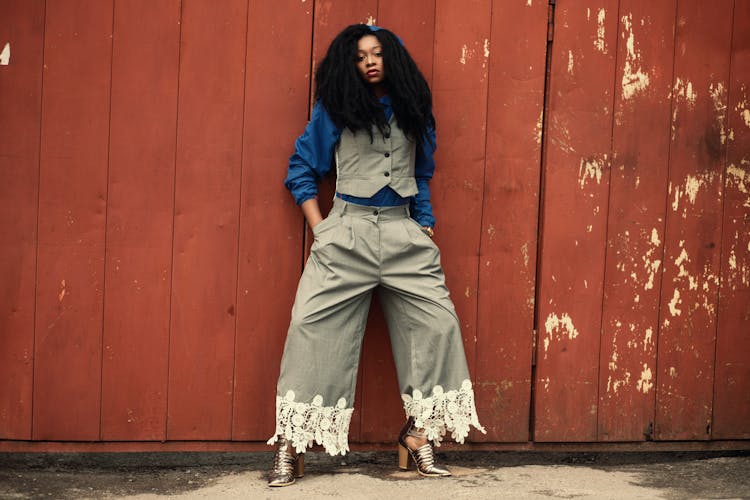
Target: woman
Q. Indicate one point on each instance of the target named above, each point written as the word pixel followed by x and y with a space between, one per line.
pixel 373 120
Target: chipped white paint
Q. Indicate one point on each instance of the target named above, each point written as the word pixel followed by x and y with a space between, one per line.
pixel 464 52
pixel 486 48
pixel 746 117
pixel 539 127
pixel 684 89
pixel 691 188
pixel 674 302
pixel 648 337
pixel 570 62
pixel 370 21
pixel 5 55
pixel 599 43
pixel 561 325
pixel 634 80
pixel 528 3
pixel 655 237
pixel 644 383
pixel 525 253
pixel 673 372
pixel 740 179
pixel 590 169
pixel 588 14
pixel 718 94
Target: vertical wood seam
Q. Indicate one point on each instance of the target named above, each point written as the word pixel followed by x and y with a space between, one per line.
pixel 106 215
pixel 484 187
pixel 549 34
pixel 655 429
pixel 239 224
pixel 174 213
pixel 615 92
pixel 723 210
pixel 38 208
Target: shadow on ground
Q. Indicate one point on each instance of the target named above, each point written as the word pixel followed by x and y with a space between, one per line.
pixel 91 475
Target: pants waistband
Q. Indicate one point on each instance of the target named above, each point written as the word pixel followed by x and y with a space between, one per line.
pixel 344 207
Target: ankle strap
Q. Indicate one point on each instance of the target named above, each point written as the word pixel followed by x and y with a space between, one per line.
pixel 415 433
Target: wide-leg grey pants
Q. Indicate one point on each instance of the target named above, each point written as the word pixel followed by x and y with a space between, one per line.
pixel 359 249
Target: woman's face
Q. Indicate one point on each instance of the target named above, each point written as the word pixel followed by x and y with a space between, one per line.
pixel 370 60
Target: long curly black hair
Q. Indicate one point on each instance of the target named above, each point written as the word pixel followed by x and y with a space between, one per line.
pixel 348 99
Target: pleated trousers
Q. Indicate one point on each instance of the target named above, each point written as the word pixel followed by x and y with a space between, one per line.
pixel 359 250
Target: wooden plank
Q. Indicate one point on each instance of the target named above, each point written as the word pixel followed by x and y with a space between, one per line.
pixel 382 409
pixel 576 181
pixel 459 90
pixel 269 265
pixel 687 334
pixel 332 16
pixel 72 213
pixel 207 201
pixel 509 218
pixel 22 32
pixel 638 185
pixel 139 220
pixel 731 416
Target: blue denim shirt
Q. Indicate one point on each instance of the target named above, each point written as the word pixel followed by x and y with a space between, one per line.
pixel 313 158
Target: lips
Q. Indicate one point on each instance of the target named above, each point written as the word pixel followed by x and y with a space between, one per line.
pixel 373 72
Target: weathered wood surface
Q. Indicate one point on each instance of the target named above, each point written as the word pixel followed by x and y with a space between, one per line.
pixel 149 251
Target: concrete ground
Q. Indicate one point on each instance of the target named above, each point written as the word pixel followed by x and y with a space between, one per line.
pixel 513 475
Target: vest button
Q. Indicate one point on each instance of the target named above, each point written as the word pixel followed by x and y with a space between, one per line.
pixel 387 174
pixel 387 135
pixel 374 212
pixel 387 155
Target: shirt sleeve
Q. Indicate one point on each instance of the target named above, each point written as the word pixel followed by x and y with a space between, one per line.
pixel 424 167
pixel 313 154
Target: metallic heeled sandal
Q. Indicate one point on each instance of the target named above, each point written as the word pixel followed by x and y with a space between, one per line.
pixel 287 467
pixel 423 457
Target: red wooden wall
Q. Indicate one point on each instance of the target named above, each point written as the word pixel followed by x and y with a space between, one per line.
pixel 592 197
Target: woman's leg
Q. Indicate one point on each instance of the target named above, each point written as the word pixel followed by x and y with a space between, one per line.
pixel 315 391
pixel 425 336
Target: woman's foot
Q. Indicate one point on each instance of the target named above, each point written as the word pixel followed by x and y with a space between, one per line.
pixel 413 445
pixel 287 464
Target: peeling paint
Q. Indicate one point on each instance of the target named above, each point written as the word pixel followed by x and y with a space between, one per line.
pixel 570 62
pixel 525 254
pixel 561 325
pixel 590 169
pixel 718 96
pixel 63 290
pixel 634 80
pixel 648 338
pixel 538 128
pixel 5 55
pixel 692 186
pixel 644 383
pixel 370 21
pixel 674 302
pixel 685 90
pixel 528 3
pixel 486 47
pixel 600 43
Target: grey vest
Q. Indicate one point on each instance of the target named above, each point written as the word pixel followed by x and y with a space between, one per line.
pixel 363 167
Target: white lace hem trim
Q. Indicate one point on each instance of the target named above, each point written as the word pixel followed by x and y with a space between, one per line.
pixel 306 423
pixel 452 411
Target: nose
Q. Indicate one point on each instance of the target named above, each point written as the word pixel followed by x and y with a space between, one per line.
pixel 369 61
